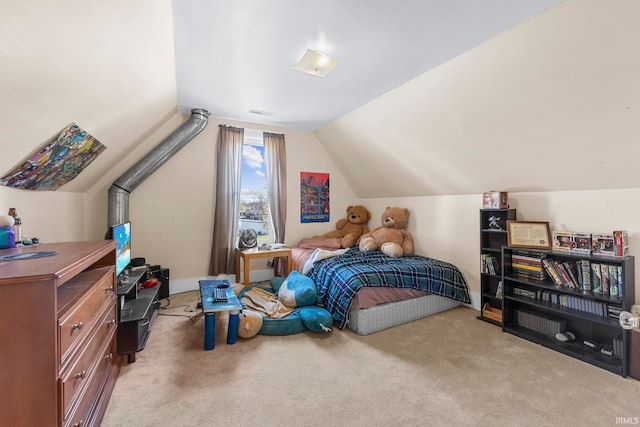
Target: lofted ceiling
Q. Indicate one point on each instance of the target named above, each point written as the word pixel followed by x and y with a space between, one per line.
pixel 236 58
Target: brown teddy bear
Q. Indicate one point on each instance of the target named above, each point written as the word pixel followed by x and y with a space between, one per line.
pixel 352 227
pixel 391 238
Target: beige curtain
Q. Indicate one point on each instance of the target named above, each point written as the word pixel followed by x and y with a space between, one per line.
pixel 275 158
pixel 227 210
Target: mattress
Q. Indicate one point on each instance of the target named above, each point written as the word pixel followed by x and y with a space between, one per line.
pixel 383 316
pixel 369 296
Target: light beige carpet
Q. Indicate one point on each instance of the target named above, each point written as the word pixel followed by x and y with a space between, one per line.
pixel 449 369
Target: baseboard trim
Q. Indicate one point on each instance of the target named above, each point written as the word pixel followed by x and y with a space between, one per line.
pixel 191 284
pixel 178 286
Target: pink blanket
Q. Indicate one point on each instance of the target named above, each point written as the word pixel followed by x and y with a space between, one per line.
pixel 306 247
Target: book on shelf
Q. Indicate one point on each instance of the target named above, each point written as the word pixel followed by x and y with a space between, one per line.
pixel 551 271
pixel 604 274
pixel 499 290
pixel 575 302
pixel 524 293
pixel 566 281
pixel 596 278
pixel 527 265
pixel 573 276
pixel 613 280
pixel 532 257
pixel 586 275
pixel 489 264
pixel 620 280
pixel 579 276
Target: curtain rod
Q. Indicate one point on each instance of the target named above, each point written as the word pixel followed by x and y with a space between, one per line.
pixel 235 127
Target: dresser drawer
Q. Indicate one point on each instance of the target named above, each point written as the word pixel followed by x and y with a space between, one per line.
pixel 84 413
pixel 81 370
pixel 79 319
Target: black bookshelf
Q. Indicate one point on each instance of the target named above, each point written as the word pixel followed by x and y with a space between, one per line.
pixel 493 235
pixel 589 316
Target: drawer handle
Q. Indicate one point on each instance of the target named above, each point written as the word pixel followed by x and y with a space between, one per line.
pixel 109 356
pixel 79 424
pixel 81 375
pixel 78 325
pixel 110 288
pixel 111 322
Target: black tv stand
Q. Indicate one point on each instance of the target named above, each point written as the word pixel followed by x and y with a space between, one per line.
pixel 137 310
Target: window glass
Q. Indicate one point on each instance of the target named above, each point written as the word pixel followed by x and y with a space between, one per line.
pixel 254 203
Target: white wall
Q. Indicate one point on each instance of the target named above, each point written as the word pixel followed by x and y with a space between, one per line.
pixel 172 211
pixel 107 66
pixel 49 216
pixel 448 227
pixel 110 67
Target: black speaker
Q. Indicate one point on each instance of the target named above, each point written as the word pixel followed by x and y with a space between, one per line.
pixel 162 274
pixel 164 283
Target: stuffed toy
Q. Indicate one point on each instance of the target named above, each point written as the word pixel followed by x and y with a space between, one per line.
pixel 351 228
pixel 286 307
pixel 391 237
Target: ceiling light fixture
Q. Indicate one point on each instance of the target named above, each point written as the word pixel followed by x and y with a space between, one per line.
pixel 261 112
pixel 316 63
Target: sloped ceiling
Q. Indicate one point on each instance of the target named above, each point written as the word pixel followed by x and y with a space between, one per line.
pixel 551 105
pixel 432 97
pixel 507 95
pixel 236 56
pixel 107 66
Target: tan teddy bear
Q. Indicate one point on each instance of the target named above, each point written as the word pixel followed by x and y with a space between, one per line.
pixel 351 228
pixel 391 237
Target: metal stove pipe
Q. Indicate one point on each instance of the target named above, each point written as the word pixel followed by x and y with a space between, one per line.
pixel 118 205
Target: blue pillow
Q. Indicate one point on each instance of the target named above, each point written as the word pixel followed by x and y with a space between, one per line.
pixel 316 319
pixel 297 291
pixel 292 324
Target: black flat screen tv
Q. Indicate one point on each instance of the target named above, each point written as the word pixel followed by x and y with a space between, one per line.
pixel 121 233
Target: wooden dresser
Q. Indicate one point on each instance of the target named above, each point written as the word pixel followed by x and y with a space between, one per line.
pixel 58 322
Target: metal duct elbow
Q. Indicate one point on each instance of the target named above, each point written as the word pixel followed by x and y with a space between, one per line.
pixel 118 205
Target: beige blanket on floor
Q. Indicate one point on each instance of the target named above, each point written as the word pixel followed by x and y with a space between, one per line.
pixel 265 303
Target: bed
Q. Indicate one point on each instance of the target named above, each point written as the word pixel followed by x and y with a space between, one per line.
pixel 369 291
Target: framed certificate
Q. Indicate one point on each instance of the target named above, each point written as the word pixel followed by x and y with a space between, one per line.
pixel 528 234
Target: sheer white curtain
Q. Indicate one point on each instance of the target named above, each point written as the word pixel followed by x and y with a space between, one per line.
pixel 227 210
pixel 275 159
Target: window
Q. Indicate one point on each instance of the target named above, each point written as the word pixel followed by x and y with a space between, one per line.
pixel 254 203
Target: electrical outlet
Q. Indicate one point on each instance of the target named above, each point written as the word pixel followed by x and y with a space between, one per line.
pixel 270 262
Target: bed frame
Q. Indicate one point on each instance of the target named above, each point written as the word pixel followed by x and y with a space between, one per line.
pixel 383 316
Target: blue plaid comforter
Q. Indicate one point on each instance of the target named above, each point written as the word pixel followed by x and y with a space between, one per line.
pixel 339 278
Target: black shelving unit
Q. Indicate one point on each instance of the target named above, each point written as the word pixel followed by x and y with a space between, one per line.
pixel 138 308
pixel 582 312
pixel 493 235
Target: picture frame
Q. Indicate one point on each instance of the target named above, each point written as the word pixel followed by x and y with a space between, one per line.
pixel 529 234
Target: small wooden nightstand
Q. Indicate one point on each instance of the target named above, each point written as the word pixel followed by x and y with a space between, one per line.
pixel 248 254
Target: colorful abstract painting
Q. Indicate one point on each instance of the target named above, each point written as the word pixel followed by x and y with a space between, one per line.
pixel 57 162
pixel 314 197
